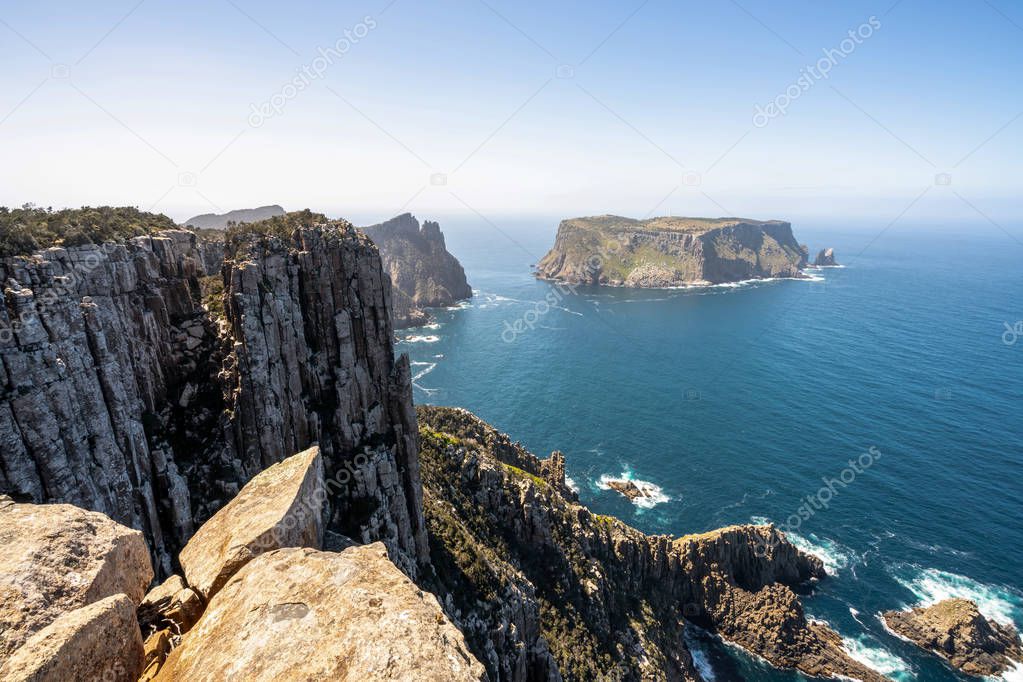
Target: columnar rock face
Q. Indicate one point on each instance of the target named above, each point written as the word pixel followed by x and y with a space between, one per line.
pixel 303 614
pixel 956 630
pixel 543 589
pixel 57 558
pixel 670 251
pixel 100 641
pixel 423 273
pixel 281 507
pixel 315 363
pixel 120 392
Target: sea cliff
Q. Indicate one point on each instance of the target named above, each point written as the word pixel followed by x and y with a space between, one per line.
pixel 671 251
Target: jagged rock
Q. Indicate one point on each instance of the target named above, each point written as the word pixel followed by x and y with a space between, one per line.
pixel 306 614
pixel 423 273
pixel 825 258
pixel 670 251
pixel 104 406
pixel 283 506
pixel 96 642
pixel 956 630
pixel 544 589
pixel 628 488
pixel 57 558
pixel 172 605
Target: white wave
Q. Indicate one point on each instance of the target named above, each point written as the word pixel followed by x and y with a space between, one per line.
pixel 1013 674
pixel 758 520
pixel 433 326
pixel 653 494
pixel 931 585
pixel 571 485
pixel 439 356
pixel 867 651
pixel 419 338
pixel 702 662
pixel 419 375
pixel 461 305
pixel 830 552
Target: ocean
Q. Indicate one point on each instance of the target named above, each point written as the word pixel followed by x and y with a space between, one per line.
pixel 873 411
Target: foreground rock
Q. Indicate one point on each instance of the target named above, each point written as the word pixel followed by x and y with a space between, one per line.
pixel 100 641
pixel 423 273
pixel 670 251
pixel 282 506
pixel 544 589
pixel 825 258
pixel 58 558
pixel 956 630
pixel 301 614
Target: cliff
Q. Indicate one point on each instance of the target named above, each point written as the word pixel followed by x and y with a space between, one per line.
pixel 670 251
pixel 423 273
pixel 123 393
pixel 545 590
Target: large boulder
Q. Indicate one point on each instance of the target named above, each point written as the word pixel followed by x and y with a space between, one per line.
pixel 56 558
pixel 825 258
pixel 302 614
pixel 100 641
pixel 282 506
pixel 956 630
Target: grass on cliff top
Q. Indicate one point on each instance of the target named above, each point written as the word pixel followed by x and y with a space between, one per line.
pixel 659 224
pixel 28 229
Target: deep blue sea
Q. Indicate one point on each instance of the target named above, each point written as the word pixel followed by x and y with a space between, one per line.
pixel 738 402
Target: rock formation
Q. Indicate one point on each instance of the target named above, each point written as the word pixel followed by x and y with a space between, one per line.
pixel 128 392
pixel 956 630
pixel 628 488
pixel 220 221
pixel 423 273
pixel 281 507
pixel 95 642
pixel 312 615
pixel 58 558
pixel 825 258
pixel 544 589
pixel 670 251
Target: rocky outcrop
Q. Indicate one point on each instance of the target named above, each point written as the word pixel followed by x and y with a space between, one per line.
pixel 121 392
pixel 281 507
pixel 825 258
pixel 544 589
pixel 306 614
pixel 171 605
pixel 423 273
pixel 220 221
pixel 629 489
pixel 96 642
pixel 58 558
pixel 956 630
pixel 670 251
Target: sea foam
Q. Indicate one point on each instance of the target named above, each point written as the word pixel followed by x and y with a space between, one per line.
pixel 868 651
pixel 930 585
pixel 654 493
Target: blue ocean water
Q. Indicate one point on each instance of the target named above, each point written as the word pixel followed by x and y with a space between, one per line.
pixel 739 402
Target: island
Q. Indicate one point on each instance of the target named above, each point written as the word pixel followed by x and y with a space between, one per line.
pixel 671 251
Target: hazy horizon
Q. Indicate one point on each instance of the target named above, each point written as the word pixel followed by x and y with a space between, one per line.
pixel 498 109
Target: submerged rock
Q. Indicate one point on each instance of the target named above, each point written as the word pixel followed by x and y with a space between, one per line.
pixel 100 641
pixel 303 614
pixel 57 558
pixel 956 630
pixel 282 506
pixel 628 488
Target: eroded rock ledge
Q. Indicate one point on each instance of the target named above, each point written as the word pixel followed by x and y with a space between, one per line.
pixel 544 589
pixel 956 630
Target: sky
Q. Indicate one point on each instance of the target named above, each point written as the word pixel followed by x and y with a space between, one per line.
pixel 488 108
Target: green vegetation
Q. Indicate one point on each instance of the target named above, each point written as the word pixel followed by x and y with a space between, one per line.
pixel 28 229
pixel 525 474
pixel 282 226
pixel 212 290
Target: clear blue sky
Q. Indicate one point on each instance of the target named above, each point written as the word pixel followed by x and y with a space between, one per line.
pixel 150 103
